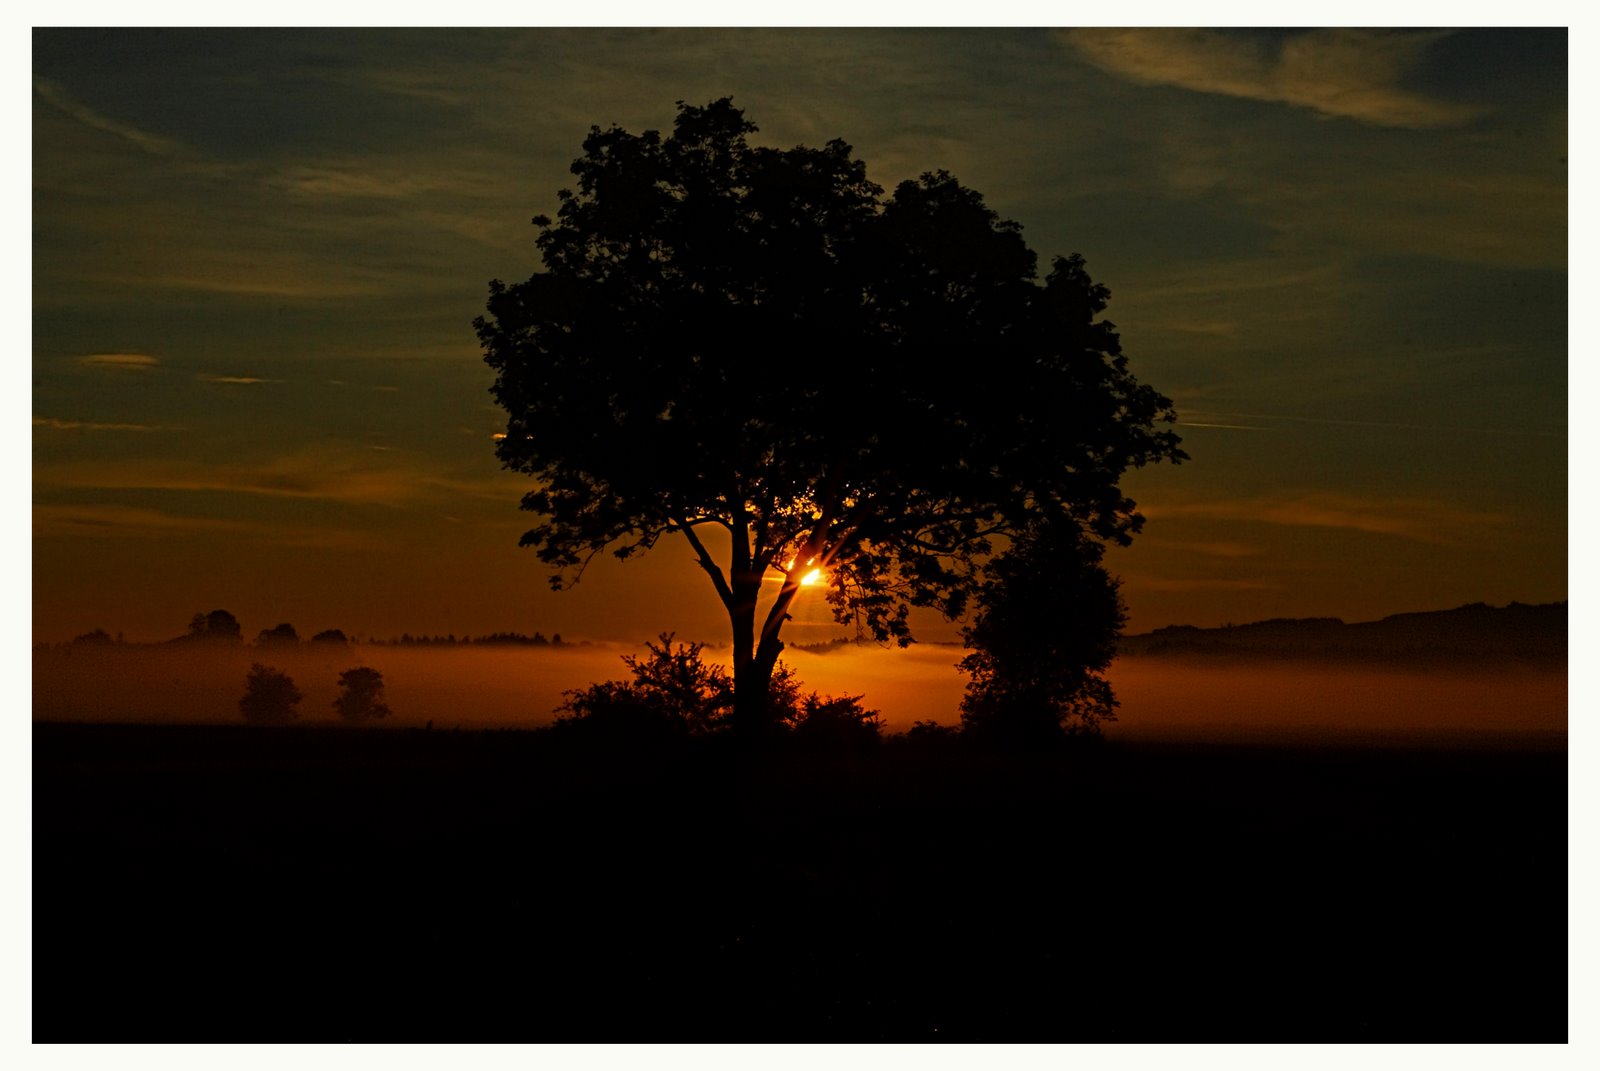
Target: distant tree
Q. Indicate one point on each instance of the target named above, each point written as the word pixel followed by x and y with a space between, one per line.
pixel 536 640
pixel 361 695
pixel 757 341
pixel 278 636
pixel 269 696
pixel 98 638
pixel 931 732
pixel 219 626
pixel 332 636
pixel 1045 631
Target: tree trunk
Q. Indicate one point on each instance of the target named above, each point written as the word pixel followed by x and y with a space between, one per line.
pixel 754 719
pixel 749 685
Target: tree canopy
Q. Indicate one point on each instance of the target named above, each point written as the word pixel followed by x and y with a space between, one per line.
pixel 361 695
pixel 219 626
pixel 736 337
pixel 270 696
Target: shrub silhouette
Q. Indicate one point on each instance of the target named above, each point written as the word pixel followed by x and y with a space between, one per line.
pixel 269 696
pixel 836 723
pixel 674 694
pixel 361 695
pixel 331 636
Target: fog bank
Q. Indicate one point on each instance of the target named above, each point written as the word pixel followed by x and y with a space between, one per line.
pixel 520 687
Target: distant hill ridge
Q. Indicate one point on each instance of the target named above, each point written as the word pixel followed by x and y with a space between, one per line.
pixel 1477 632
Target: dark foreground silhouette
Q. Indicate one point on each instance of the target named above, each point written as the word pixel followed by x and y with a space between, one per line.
pixel 247 884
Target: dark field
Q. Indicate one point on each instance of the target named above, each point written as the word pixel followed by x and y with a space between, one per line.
pixel 322 884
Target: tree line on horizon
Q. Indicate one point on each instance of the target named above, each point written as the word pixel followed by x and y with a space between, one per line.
pixel 220 627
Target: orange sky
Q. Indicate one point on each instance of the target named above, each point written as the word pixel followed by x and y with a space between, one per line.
pixel 257 255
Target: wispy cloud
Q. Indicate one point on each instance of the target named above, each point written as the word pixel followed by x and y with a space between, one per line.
pixel 90 519
pixel 1467 429
pixel 120 522
pixel 1180 583
pixel 90 425
pixel 1416 519
pixel 70 105
pixel 351 181
pixel 1345 73
pixel 349 474
pixel 128 362
pixel 252 280
pixel 238 380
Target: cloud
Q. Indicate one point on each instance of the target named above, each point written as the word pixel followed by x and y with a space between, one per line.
pixel 119 522
pixel 75 108
pixel 92 519
pixel 353 475
pixel 86 425
pixel 1538 433
pixel 333 181
pixel 1179 584
pixel 206 378
pixel 1210 550
pixel 130 362
pixel 1346 73
pixel 1414 519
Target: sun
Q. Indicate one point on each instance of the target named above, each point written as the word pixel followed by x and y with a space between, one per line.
pixel 811 579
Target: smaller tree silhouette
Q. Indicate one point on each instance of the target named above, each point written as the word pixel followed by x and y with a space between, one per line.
pixel 269 696
pixel 361 695
pixel 282 635
pixel 219 626
pixel 332 636
pixel 1045 632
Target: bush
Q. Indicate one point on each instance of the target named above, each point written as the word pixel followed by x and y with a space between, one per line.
pixel 836 723
pixel 674 694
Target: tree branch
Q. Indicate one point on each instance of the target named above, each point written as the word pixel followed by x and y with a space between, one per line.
pixel 717 579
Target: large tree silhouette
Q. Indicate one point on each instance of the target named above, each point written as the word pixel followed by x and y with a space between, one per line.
pixel 758 343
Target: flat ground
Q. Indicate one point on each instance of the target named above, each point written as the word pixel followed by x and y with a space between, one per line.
pixel 323 884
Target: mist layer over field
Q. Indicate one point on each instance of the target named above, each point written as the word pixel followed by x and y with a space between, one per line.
pixel 520 687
